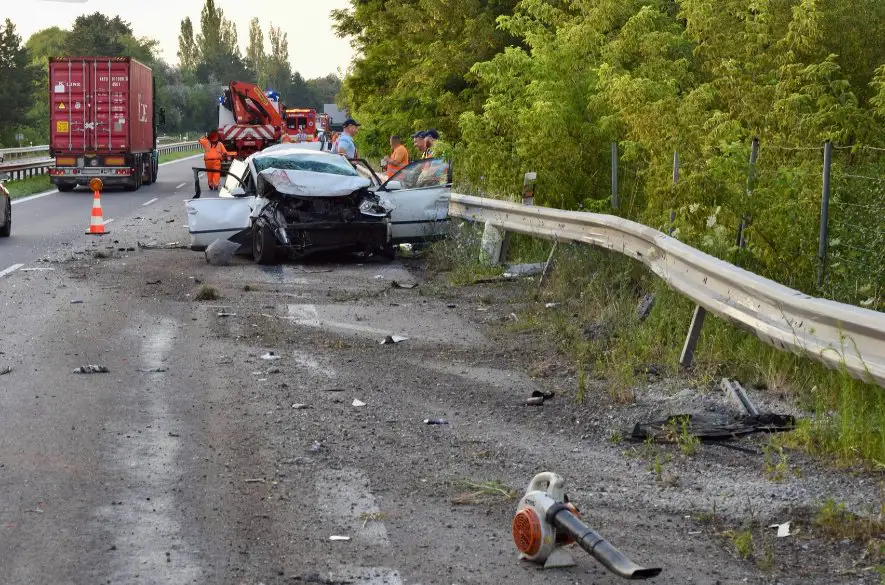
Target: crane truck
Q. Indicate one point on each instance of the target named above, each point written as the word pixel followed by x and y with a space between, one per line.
pixel 249 119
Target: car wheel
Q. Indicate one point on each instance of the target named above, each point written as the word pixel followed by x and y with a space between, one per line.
pixel 389 253
pixel 6 228
pixel 264 244
pixel 65 187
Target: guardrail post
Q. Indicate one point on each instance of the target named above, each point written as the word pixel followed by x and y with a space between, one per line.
pixel 741 241
pixel 528 198
pixel 824 214
pixel 691 340
pixel 675 183
pixel 614 175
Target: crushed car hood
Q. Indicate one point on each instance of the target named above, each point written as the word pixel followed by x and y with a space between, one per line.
pixel 312 184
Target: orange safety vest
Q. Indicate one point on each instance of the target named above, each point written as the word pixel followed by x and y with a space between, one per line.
pixel 393 167
pixel 217 152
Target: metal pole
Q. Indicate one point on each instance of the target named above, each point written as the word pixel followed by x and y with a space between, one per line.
pixel 691 340
pixel 751 183
pixel 614 175
pixel 824 214
pixel 675 182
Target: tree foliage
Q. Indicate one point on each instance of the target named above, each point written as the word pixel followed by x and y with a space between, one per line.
pixel 548 85
pixel 19 78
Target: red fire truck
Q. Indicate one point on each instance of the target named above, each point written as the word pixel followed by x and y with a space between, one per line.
pixel 301 119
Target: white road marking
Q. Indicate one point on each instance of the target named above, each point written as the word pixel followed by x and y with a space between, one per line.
pixel 10 270
pixel 54 191
pixel 146 203
pixel 107 221
pixel 35 196
pixel 148 527
pixel 180 186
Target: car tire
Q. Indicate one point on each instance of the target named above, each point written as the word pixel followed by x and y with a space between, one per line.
pixel 264 244
pixel 6 228
pixel 389 253
pixel 151 173
pixel 65 187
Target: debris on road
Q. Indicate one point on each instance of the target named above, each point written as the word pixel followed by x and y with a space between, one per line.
pixel 270 356
pixel 226 314
pixel 643 309
pixel 782 529
pixel 91 369
pixel 435 421
pixel 77 302
pixel 737 393
pixel 255 480
pixel 317 447
pixel 6 370
pixel 711 428
pixel 451 306
pixel 392 339
pixel 551 305
pixel 406 285
pixel 169 246
pixel 221 252
pixel 339 538
pixel 300 406
pixel 152 370
pixel 535 401
pixel 357 402
pixel 520 270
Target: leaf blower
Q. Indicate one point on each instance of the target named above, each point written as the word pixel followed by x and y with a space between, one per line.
pixel 545 521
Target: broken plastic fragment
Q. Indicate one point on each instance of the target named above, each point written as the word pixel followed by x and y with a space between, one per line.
pixel 782 529
pixel 226 314
pixel 270 356
pixel 336 537
pixel 396 284
pixel 91 369
pixel 391 339
pixel 435 421
pixel 299 406
pixel 357 402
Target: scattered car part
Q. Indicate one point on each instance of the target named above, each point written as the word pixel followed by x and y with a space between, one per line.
pixel 91 369
pixel 545 520
pixel 270 356
pixel 356 402
pixel 435 421
pixel 392 339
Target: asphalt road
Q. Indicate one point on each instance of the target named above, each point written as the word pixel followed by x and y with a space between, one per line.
pixel 42 223
pixel 197 460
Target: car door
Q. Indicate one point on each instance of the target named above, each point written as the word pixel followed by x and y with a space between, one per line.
pixel 420 194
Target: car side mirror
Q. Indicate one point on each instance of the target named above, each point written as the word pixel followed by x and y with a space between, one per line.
pixel 393 186
pixel 162 117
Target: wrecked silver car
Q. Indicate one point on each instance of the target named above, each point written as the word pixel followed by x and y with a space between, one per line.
pixel 299 202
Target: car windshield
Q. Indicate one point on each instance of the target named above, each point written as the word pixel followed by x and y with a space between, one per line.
pixel 318 163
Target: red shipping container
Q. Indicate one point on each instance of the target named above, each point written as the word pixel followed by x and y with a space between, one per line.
pixel 100 105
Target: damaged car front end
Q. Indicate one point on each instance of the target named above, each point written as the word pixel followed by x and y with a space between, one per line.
pixel 304 212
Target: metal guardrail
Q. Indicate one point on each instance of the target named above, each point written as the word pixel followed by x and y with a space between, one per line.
pixel 836 334
pixel 22 168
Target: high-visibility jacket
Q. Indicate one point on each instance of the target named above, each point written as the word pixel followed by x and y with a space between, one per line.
pixel 393 166
pixel 213 152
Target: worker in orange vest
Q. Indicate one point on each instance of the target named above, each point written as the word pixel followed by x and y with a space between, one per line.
pixel 214 153
pixel 398 159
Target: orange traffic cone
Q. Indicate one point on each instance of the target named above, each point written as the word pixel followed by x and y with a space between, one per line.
pixel 96 225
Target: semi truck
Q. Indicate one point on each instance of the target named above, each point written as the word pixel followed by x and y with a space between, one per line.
pixel 102 122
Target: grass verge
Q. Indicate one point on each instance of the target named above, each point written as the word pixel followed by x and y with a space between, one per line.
pixel 178 155
pixel 595 322
pixel 28 186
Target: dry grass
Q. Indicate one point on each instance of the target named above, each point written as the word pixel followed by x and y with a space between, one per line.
pixel 207 293
pixel 487 492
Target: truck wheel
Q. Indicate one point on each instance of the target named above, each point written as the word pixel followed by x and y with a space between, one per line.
pixel 264 244
pixel 65 187
pixel 6 228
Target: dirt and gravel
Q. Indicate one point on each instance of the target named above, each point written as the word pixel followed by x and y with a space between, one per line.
pixel 198 460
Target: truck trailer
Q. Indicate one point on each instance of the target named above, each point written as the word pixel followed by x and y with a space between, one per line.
pixel 102 122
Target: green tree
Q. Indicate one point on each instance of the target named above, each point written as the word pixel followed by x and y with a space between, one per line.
pixel 19 76
pixel 219 54
pixel 188 52
pixel 255 57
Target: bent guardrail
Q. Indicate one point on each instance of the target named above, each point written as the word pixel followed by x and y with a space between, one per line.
pixel 836 334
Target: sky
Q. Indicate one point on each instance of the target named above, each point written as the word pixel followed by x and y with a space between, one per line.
pixel 314 50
